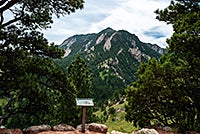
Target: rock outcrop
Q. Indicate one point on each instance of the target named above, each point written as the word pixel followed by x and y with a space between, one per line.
pixel 10 131
pixel 116 132
pixel 63 127
pixel 147 131
pixel 100 128
pixel 79 127
pixel 36 129
pixel 92 128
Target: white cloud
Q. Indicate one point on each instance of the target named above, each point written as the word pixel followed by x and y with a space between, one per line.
pixel 135 16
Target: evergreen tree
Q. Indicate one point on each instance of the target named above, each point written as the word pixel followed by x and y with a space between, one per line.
pixel 81 77
pixel 184 16
pixel 30 83
pixel 167 91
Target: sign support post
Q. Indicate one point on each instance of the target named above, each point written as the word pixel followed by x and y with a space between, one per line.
pixel 83 118
pixel 84 102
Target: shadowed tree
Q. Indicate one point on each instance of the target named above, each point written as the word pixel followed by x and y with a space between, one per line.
pixel 167 91
pixel 81 77
pixel 30 83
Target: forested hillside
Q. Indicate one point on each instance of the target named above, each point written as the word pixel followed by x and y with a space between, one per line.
pixel 113 57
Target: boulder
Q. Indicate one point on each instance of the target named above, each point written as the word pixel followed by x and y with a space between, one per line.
pixel 134 132
pixel 100 128
pixel 167 128
pixel 79 127
pixel 63 127
pixel 10 131
pixel 36 129
pixel 116 132
pixel 147 131
pixel 2 127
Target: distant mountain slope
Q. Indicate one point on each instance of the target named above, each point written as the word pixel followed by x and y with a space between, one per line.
pixel 113 56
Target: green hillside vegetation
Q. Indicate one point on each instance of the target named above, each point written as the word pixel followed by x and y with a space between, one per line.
pixel 114 117
pixel 117 120
pixel 112 69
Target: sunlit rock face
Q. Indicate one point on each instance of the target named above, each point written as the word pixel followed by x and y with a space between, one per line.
pixel 118 52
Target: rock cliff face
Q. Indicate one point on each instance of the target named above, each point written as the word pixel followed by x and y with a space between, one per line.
pixel 108 38
pixel 111 49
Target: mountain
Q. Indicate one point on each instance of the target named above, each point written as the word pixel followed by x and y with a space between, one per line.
pixel 113 56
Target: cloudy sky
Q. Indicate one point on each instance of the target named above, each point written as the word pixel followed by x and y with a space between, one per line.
pixel 135 16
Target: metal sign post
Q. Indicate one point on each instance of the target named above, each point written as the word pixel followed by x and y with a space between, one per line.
pixel 84 102
pixel 83 118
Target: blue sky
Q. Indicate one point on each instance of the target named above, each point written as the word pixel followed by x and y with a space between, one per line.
pixel 135 16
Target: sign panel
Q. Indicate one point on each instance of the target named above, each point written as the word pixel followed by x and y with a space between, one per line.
pixel 84 102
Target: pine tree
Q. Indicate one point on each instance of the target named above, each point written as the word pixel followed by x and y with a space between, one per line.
pixel 167 91
pixel 28 77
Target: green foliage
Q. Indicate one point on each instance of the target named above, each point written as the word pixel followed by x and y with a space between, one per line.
pixel 184 16
pixel 111 110
pixel 38 85
pixel 81 77
pixel 33 88
pixel 115 121
pixel 164 93
pixel 158 89
pixel 167 91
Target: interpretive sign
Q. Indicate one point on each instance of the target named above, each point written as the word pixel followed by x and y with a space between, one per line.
pixel 84 102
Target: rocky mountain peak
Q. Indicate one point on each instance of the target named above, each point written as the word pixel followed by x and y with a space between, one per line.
pixel 114 50
pixel 108 39
pixel 108 29
pixel 113 56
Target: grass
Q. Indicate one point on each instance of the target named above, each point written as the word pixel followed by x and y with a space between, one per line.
pixel 117 121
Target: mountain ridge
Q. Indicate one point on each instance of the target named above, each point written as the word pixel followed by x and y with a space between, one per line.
pixel 67 43
pixel 113 57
